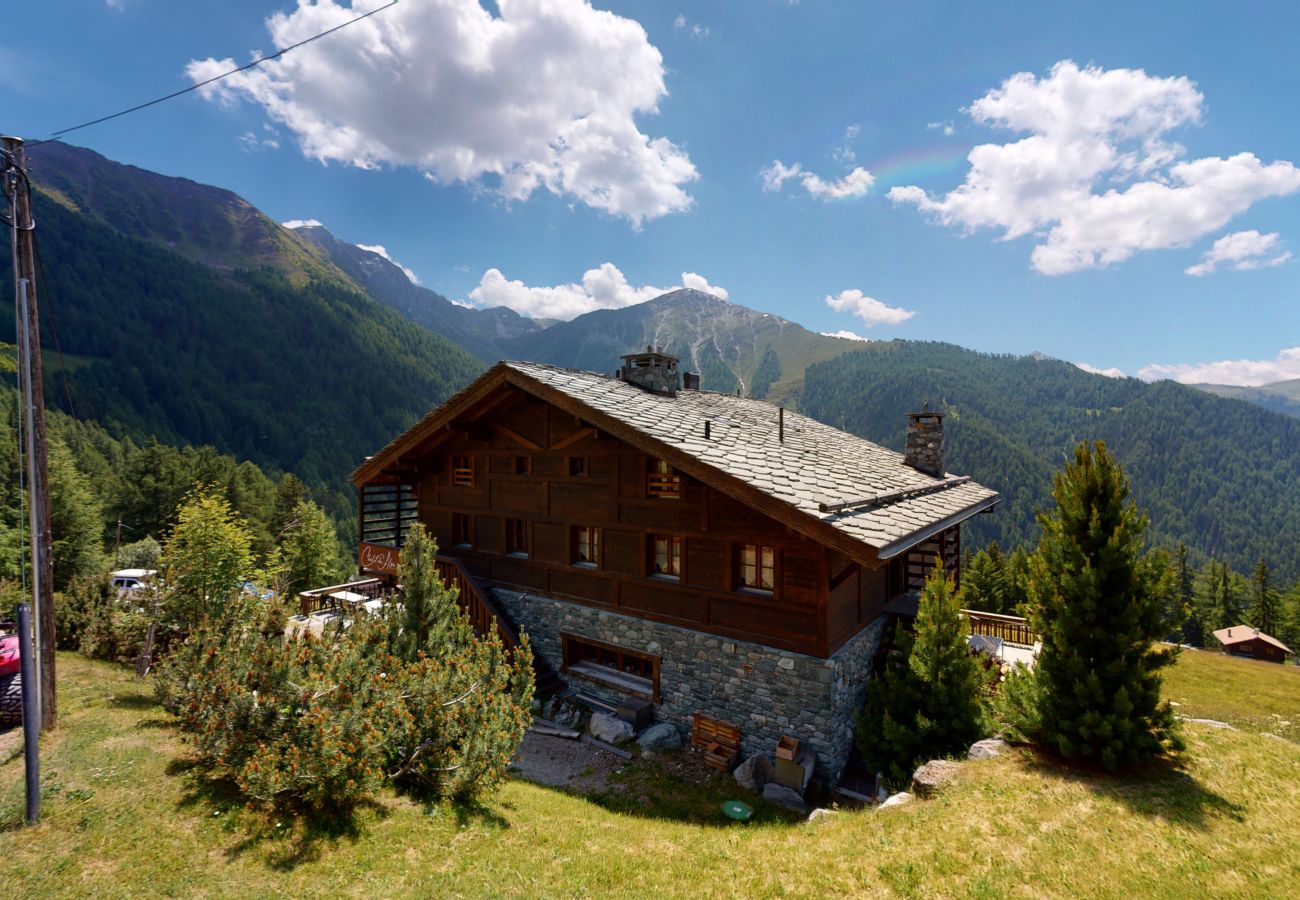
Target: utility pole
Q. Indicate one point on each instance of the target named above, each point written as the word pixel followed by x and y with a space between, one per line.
pixel 28 329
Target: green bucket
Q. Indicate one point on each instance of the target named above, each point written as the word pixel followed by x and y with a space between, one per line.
pixel 734 809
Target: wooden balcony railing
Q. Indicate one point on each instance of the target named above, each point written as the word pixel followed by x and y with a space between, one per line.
pixel 1012 629
pixel 480 609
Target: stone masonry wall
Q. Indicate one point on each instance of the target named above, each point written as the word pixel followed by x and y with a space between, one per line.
pixel 766 692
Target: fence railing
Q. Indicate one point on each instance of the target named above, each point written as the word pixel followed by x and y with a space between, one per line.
pixel 482 612
pixel 1012 629
pixel 318 599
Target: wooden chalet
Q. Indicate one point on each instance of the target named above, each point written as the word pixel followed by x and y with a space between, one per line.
pixel 1242 640
pixel 704 552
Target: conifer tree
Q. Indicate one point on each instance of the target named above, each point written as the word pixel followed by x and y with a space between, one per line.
pixel 1017 581
pixel 984 581
pixel 1227 601
pixel 428 618
pixel 1187 615
pixel 1098 604
pixel 309 548
pixel 1264 607
pixel 927 703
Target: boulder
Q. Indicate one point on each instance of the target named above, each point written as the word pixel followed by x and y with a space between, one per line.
pixel 784 796
pixel 896 800
pixel 754 773
pixel 660 738
pixel 566 715
pixel 820 813
pixel 933 775
pixel 610 729
pixel 987 749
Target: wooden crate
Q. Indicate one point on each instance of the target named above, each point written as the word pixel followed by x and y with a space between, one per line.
pixel 719 742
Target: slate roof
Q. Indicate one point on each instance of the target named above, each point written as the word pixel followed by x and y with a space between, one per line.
pixel 1239 634
pixel 816 464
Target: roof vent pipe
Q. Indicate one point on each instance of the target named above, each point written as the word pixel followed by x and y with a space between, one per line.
pixel 780 424
pixel 707 423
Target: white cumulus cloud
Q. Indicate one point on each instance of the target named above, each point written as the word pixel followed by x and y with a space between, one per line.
pixel 855 184
pixel 1097 178
pixel 845 334
pixel 543 94
pixel 382 251
pixel 303 223
pixel 947 128
pixel 868 309
pixel 1247 372
pixel 1112 372
pixel 604 287
pixel 1244 250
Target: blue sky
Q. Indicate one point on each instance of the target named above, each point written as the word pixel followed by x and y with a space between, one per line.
pixel 1010 177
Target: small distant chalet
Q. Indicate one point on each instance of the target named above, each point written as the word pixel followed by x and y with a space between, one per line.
pixel 1242 640
pixel 700 551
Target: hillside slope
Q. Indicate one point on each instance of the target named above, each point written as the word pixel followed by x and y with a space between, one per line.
pixel 287 365
pixel 732 347
pixel 1221 475
pixel 477 330
pixel 1280 396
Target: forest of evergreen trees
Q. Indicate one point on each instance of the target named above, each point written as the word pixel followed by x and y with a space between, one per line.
pixel 1221 476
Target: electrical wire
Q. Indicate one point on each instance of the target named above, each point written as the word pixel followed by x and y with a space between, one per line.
pixel 58 135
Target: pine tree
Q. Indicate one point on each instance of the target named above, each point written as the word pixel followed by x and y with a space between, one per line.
pixel 984 581
pixel 1017 581
pixel 1189 619
pixel 1264 607
pixel 1227 601
pixel 428 617
pixel 927 703
pixel 1098 604
pixel 309 549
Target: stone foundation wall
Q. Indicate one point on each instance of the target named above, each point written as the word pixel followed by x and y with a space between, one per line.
pixel 766 692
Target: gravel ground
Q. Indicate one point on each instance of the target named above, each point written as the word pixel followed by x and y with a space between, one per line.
pixel 562 762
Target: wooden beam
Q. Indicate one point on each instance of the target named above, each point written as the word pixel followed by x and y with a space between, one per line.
pixel 574 438
pixel 516 437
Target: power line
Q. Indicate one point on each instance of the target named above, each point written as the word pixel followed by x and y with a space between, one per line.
pixel 58 135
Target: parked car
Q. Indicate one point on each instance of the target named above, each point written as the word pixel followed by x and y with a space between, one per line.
pixel 127 580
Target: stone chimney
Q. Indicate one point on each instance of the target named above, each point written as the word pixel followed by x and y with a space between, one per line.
pixel 925 442
pixel 690 381
pixel 653 371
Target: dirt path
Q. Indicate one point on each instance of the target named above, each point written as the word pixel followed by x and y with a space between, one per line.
pixel 563 762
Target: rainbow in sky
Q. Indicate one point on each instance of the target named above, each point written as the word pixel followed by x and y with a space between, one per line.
pixel 918 165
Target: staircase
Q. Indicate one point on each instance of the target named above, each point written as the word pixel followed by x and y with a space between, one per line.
pixel 486 618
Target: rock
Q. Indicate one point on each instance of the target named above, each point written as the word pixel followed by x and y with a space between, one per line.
pixel 820 813
pixel 660 738
pixel 754 773
pixel 987 749
pixel 610 729
pixel 1209 723
pixel 933 775
pixel 896 800
pixel 784 796
pixel 566 715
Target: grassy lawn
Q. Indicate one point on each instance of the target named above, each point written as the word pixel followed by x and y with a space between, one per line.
pixel 125 816
pixel 1247 693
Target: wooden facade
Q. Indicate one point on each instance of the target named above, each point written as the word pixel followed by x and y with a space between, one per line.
pixel 528 496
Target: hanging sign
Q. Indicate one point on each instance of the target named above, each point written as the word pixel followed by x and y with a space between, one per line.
pixel 377 558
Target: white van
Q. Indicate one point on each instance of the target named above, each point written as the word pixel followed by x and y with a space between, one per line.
pixel 127 580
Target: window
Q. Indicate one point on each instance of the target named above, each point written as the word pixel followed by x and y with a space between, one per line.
pixel 462 471
pixel 460 533
pixel 578 467
pixel 586 545
pixel 666 555
pixel 756 567
pixel 662 481
pixel 612 666
pixel 523 465
pixel 516 537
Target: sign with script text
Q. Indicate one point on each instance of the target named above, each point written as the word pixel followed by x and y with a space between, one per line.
pixel 377 558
